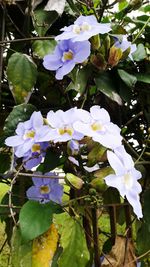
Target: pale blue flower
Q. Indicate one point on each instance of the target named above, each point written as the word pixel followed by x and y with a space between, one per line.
pixel 61 125
pixel 100 128
pixel 45 189
pixel 65 56
pixel 27 134
pixel 125 178
pixel 124 44
pixel 83 28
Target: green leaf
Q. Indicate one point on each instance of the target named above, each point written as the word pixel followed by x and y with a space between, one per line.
pixel 80 80
pixel 140 53
pixel 22 74
pixel 36 218
pixel 129 79
pixel 51 161
pixel 105 84
pixel 122 4
pixel 75 252
pixel 5 162
pixel 18 114
pixel 42 48
pixel 146 209
pixel 143 234
pixel 21 253
pixel 42 20
pixel 143 77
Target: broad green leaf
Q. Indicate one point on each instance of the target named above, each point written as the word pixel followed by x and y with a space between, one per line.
pixel 79 83
pixel 51 161
pixel 42 20
pixel 129 79
pixel 57 5
pixel 145 8
pixel 22 74
pixel 19 113
pixel 140 53
pixel 75 252
pixel 36 218
pixel 105 84
pixel 44 248
pixel 21 253
pixel 43 47
pixel 143 77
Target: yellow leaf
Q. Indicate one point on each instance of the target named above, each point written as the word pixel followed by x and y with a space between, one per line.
pixel 44 248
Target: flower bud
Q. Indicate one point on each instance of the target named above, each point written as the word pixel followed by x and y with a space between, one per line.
pixel 115 54
pixel 74 181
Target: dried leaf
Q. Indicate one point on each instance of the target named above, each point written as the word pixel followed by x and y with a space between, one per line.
pixel 121 255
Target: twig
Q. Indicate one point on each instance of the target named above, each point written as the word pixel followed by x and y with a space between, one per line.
pixel 27 39
pixel 142 153
pixel 40 175
pixel 134 118
pixel 97 260
pixel 10 194
pixel 146 23
pixel 2 20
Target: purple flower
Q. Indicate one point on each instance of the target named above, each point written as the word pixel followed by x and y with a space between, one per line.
pixel 34 157
pixel 83 28
pixel 45 189
pixel 125 178
pixel 100 128
pixel 27 134
pixel 65 56
pixel 124 44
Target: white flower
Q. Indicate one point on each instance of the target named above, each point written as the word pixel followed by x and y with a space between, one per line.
pixel 100 128
pixel 61 125
pixel 125 178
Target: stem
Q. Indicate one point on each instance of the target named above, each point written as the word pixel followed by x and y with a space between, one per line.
pixel 2 22
pixel 27 39
pixel 146 23
pixel 112 212
pixel 95 238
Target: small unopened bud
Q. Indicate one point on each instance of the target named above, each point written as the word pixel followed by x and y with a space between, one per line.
pixel 74 181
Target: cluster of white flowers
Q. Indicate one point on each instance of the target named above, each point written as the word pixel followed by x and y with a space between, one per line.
pixel 74 124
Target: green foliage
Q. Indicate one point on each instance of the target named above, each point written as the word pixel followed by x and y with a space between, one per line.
pixel 105 84
pixel 21 252
pixel 42 48
pixel 73 242
pixel 51 161
pixel 36 218
pixel 22 74
pixel 42 20
pixel 129 79
pixel 140 53
pixel 18 114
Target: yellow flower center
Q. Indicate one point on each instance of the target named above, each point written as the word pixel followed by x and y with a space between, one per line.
pixel 97 126
pixel 30 134
pixel 128 180
pixel 44 189
pixel 36 148
pixel 68 55
pixel 66 130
